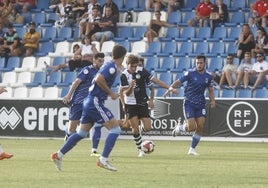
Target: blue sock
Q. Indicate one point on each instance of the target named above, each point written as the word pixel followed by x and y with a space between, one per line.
pixel 195 140
pixel 70 143
pixel 110 141
pixel 96 136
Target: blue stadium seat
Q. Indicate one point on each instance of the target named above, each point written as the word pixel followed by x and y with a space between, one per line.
pixel 160 92
pixel 39 18
pixel 236 18
pixel 230 47
pixel 11 64
pixel 64 33
pixel 202 33
pixel 172 33
pixel 167 64
pixel 199 48
pixel 168 49
pixel 42 5
pixel 174 17
pixel 64 91
pixel 184 64
pixel 183 49
pixel 27 17
pixel 233 34
pixel 153 48
pixel 2 62
pixel 244 93
pixel 50 33
pixel 216 49
pixel 166 77
pixel 237 5
pixel 126 44
pixel 38 79
pixel 132 5
pixel 220 33
pixel 151 63
pixel 53 79
pixel 227 93
pixel 190 4
pixel 120 4
pixel 21 31
pixel 69 77
pixel 116 81
pixel 260 93
pixel 124 33
pixel 186 34
pixel 45 48
pixel 215 64
pixel 138 33
pixel 186 16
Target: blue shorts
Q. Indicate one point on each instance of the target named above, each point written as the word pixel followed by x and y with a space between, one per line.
pixel 192 110
pixel 75 112
pixel 95 111
pixel 108 34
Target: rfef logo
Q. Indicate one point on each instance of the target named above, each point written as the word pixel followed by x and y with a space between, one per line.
pixel 242 118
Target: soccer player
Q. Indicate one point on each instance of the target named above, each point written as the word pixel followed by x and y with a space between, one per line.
pixel 4 155
pixel 194 107
pixel 76 95
pixel 135 102
pixel 95 111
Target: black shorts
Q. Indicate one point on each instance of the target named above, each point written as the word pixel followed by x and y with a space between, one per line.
pixel 141 111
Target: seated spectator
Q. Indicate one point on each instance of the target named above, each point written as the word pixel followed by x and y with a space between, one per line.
pixel 228 73
pixel 79 7
pixel 202 14
pixel 30 40
pixel 158 5
pixel 11 43
pixel 88 25
pixel 257 74
pixel 108 27
pixel 113 6
pixel 155 26
pixel 1 34
pixel 260 42
pixel 64 11
pixel 259 14
pixel 219 15
pixel 18 6
pixel 245 42
pixel 245 66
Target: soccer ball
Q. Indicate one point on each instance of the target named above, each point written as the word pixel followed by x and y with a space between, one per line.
pixel 147 146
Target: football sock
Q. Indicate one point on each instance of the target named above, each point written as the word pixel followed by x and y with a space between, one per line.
pixel 70 143
pixel 138 140
pixel 110 141
pixel 96 135
pixel 1 150
pixel 182 127
pixel 195 140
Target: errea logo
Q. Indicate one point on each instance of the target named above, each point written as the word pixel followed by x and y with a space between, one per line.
pixel 242 118
pixel 9 118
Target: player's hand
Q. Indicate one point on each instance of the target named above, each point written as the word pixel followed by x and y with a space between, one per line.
pixel 212 104
pixel 114 96
pixel 66 100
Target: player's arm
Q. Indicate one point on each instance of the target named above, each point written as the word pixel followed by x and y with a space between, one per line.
pixel 100 80
pixel 151 100
pixel 172 88
pixel 68 96
pixel 211 97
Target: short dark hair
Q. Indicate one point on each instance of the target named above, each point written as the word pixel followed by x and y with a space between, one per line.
pixel 201 56
pixel 132 59
pixel 99 55
pixel 118 52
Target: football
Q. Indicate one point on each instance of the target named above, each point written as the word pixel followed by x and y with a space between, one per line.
pixel 147 146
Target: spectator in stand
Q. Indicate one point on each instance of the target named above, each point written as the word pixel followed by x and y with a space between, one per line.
pixel 155 26
pixel 64 11
pixel 245 66
pixel 113 6
pixel 18 6
pixel 108 27
pixel 30 40
pixel 79 7
pixel 259 13
pixel 219 15
pixel 245 42
pixel 260 42
pixel 228 74
pixel 202 14
pixel 88 24
pixel 11 43
pixel 6 13
pixel 257 74
pixel 158 5
pixel 1 34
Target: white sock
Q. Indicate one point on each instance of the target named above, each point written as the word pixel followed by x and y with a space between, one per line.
pixel 1 150
pixel 60 155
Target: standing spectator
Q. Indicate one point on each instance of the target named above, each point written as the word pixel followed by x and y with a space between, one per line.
pixel 30 40
pixel 12 43
pixel 257 74
pixel 64 11
pixel 155 26
pixel 260 42
pixel 219 15
pixel 108 27
pixel 228 74
pixel 259 13
pixel 113 6
pixel 202 14
pixel 245 66
pixel 245 42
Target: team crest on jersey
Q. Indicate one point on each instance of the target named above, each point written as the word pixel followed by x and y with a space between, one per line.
pixel 112 70
pixel 186 73
pixel 85 71
pixel 138 76
pixel 206 80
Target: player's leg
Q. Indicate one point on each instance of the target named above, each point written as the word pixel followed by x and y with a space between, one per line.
pixel 96 139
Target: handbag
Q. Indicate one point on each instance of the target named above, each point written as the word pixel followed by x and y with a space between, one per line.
pixel 214 16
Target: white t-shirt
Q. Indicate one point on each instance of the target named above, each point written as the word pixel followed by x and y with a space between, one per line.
pixel 260 67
